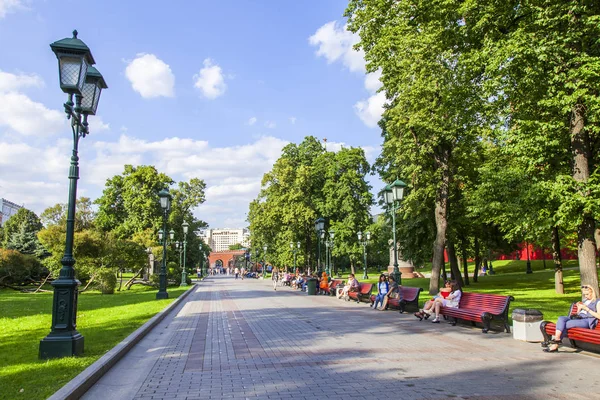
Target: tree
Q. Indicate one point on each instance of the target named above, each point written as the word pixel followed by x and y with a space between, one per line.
pixel 431 79
pixel 237 246
pixel 20 233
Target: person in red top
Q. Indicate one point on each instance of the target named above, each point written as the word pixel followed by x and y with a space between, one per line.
pixel 427 309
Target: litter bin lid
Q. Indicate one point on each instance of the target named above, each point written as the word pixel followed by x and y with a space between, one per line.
pixel 527 315
pixel 312 279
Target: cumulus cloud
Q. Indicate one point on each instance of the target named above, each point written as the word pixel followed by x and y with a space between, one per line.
pixel 12 82
pixel 252 121
pixel 150 76
pixel 210 80
pixel 335 43
pixel 270 124
pixel 9 6
pixel 22 115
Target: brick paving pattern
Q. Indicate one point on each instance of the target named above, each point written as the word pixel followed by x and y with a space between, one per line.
pixel 242 340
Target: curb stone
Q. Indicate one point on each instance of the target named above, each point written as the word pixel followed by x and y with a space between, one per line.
pixel 77 386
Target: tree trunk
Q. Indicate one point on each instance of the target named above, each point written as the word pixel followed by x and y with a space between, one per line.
pixel 558 270
pixel 586 244
pixel 441 219
pixel 465 263
pixel 477 260
pixel 454 264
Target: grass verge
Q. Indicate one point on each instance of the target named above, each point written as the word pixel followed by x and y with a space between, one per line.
pixel 103 320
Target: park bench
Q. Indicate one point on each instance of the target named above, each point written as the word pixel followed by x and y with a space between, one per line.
pixel 363 293
pixel 481 307
pixel 579 338
pixel 408 296
pixel 333 285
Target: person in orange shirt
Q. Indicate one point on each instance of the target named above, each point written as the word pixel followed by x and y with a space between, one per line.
pixel 324 284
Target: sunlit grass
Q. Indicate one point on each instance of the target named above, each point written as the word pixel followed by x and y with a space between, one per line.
pixel 103 320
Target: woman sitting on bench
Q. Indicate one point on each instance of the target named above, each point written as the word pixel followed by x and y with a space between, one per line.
pixel 449 296
pixel 351 286
pixel 324 283
pixel 587 317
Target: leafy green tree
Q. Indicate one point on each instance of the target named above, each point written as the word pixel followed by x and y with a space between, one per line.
pixel 20 233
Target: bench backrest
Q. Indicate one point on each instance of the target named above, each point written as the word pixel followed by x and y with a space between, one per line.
pixel 366 288
pixel 410 293
pixel 335 282
pixel 492 303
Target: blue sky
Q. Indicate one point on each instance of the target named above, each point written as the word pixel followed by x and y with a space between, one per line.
pixel 202 89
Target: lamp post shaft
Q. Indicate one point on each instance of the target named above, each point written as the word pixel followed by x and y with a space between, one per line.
pixel 64 340
pixel 365 276
pixel 184 270
pixel 319 251
pixel 162 275
pixel 396 272
pixel 529 270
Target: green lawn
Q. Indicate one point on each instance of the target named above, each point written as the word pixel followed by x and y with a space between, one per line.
pixel 103 320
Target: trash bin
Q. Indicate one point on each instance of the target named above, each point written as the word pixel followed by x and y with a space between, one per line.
pixel 526 325
pixel 311 286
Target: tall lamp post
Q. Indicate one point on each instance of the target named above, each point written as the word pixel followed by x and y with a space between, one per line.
pixel 77 78
pixel 264 261
pixel 329 247
pixel 393 194
pixel 165 204
pixel 320 229
pixel 185 227
pixel 364 244
pixel 295 251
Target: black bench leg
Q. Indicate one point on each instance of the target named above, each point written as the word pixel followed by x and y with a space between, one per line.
pixel 486 318
pixel 506 326
pixel 546 341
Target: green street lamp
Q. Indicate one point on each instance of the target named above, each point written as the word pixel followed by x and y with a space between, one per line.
pixel 295 251
pixel 185 227
pixel 77 78
pixel 328 249
pixel 364 244
pixel 393 195
pixel 264 261
pixel 319 228
pixel 165 204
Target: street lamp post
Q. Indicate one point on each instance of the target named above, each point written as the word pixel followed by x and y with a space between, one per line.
pixel 319 228
pixel 329 256
pixel 295 251
pixel 264 261
pixel 364 244
pixel 393 194
pixel 165 204
pixel 179 248
pixel 77 78
pixel 185 227
pixel 529 270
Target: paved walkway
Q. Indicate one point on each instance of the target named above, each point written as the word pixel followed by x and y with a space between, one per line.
pixel 242 340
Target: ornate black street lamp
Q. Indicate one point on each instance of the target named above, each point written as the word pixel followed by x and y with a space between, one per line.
pixel 364 244
pixel 77 78
pixel 393 194
pixel 165 204
pixel 264 260
pixel 319 228
pixel 185 227
pixel 295 251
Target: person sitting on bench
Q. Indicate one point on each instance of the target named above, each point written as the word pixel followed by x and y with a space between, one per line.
pixel 449 296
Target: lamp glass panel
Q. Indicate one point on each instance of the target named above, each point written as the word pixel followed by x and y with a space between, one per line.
pixel 160 234
pixel 359 235
pixel 368 235
pixel 298 244
pixel 172 234
pixel 70 71
pixel 185 226
pixel 389 197
pixel 398 192
pixel 291 245
pixel 164 202
pixel 331 234
pixel 89 96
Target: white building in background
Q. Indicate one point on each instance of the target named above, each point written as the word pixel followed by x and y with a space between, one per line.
pixel 220 239
pixel 7 210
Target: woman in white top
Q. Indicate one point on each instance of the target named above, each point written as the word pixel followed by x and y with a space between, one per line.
pixel 452 300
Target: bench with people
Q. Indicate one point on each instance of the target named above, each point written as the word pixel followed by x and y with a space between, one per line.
pixel 451 302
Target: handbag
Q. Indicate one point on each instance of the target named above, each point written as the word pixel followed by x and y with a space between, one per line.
pixel 575 316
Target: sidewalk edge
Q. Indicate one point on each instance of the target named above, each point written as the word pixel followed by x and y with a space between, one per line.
pixel 77 386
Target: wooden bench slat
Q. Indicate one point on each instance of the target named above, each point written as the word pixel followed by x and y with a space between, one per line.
pixel 575 335
pixel 481 307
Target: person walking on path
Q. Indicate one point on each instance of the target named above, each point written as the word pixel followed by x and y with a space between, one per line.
pixel 274 277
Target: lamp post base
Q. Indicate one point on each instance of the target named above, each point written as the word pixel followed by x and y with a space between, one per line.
pixel 365 276
pixel 64 344
pixel 183 280
pixel 162 295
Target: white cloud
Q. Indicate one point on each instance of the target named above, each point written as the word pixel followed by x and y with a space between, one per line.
pixel 370 110
pixel 252 121
pixel 270 124
pixel 150 76
pixel 335 43
pixel 97 124
pixel 210 80
pixel 22 115
pixel 11 82
pixel 292 120
pixel 8 6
